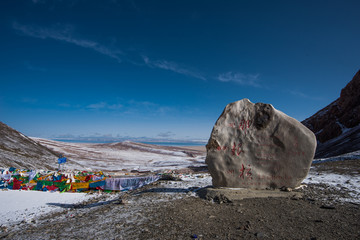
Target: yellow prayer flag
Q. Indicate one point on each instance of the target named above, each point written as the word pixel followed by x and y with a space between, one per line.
pixel 79 185
pixel 81 178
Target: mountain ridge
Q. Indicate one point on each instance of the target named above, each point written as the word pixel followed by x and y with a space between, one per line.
pixel 20 151
pixel 337 126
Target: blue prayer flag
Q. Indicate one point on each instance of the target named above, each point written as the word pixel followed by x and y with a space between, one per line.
pixel 62 160
pixel 97 184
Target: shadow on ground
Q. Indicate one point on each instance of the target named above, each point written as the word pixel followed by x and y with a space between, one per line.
pixel 91 205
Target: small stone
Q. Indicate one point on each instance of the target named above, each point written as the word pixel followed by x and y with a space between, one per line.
pixel 259 235
pixel 4 229
pixel 121 202
pixel 247 226
pixel 286 189
pixel 327 207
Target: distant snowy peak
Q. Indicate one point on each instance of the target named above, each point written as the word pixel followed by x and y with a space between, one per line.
pixel 18 150
pixel 337 126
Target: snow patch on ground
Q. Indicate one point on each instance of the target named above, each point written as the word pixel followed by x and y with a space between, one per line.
pixel 347 156
pixel 348 183
pixel 351 184
pixel 154 150
pixel 17 206
pixel 189 184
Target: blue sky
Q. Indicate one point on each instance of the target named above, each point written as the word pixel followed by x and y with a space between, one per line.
pixel 167 69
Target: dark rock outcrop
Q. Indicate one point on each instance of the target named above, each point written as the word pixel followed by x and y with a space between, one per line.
pixel 19 151
pixel 337 126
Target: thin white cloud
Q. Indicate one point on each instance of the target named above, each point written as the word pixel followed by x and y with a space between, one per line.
pixel 171 66
pixel 64 34
pixel 65 105
pixel 167 134
pixel 299 94
pixel 303 95
pixel 68 105
pixel 114 106
pixel 134 107
pixel 104 105
pixel 142 104
pixel 240 78
pixel 164 110
pixel 99 105
pixel 37 1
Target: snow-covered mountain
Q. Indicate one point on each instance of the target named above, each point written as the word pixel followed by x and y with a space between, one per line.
pixel 125 156
pixel 17 150
pixel 337 126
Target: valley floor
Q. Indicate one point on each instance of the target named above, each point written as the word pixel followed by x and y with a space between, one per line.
pixel 329 209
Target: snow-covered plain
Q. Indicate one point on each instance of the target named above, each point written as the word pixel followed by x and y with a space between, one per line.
pixel 125 155
pixel 17 206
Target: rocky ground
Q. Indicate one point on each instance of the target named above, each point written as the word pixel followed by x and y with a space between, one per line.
pixel 172 210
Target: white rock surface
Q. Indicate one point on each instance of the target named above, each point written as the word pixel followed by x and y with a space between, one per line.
pixel 256 146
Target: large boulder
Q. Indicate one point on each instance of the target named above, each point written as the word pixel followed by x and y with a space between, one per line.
pixel 256 146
